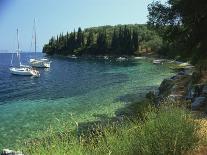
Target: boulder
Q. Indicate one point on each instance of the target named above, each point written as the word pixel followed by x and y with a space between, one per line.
pixel 197 90
pixel 11 152
pixel 175 97
pixel 181 73
pixel 166 87
pixel 204 90
pixel 196 76
pixel 199 102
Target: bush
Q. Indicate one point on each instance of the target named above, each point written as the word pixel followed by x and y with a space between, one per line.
pixel 167 130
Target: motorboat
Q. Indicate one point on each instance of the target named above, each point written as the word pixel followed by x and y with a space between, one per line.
pixel 73 56
pixel 40 63
pixel 139 58
pixel 121 58
pixel 157 61
pixel 106 57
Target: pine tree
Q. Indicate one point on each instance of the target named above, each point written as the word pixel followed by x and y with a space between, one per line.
pixel 102 41
pixel 79 38
pixel 135 40
pixel 115 40
pixel 90 38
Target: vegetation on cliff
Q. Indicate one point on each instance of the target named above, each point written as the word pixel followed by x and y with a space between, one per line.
pixel 182 25
pixel 110 40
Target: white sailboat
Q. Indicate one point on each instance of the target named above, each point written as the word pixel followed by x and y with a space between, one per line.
pixel 21 69
pixel 40 63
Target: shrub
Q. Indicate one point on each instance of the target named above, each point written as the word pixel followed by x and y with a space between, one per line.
pixel 167 130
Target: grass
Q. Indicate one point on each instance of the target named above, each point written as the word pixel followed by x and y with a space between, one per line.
pixel 167 130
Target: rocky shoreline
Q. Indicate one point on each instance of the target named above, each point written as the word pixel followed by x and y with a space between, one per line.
pixel 184 86
pixel 11 152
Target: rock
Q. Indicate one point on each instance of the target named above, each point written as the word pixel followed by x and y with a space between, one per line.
pixel 199 102
pixel 197 90
pixel 166 87
pixel 181 73
pixel 151 95
pixel 11 152
pixel 175 97
pixel 195 77
pixel 204 90
pixel 174 77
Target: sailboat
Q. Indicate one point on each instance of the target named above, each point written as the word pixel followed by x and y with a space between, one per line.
pixel 40 63
pixel 21 69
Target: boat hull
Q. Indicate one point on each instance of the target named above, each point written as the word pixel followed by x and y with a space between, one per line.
pixel 23 71
pixel 39 63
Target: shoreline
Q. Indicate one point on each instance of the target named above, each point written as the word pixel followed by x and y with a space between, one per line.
pixel 119 117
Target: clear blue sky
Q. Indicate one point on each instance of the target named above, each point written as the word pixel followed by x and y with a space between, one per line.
pixel 56 16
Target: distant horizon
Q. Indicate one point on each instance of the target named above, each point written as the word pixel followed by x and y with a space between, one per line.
pixel 25 51
pixel 7 51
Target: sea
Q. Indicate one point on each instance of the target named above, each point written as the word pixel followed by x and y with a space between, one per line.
pixel 80 90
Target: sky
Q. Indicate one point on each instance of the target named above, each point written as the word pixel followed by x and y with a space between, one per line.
pixel 56 16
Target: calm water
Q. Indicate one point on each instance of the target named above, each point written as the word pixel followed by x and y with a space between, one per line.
pixel 72 89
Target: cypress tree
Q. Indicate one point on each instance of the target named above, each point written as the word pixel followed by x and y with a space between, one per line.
pixel 135 40
pixel 79 38
pixel 90 38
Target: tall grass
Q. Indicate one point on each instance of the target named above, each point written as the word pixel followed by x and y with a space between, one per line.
pixel 167 130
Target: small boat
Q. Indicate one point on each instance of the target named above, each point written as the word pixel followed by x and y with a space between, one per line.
pixel 72 56
pixel 139 58
pixel 121 58
pixel 106 57
pixel 170 61
pixel 184 64
pixel 158 61
pixel 39 63
pixel 22 69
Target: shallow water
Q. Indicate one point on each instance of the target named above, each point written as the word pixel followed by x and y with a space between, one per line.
pixel 79 90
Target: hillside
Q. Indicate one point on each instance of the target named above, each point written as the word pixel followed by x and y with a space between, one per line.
pixel 111 40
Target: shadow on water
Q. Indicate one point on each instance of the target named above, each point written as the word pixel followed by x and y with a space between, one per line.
pixel 135 96
pixel 93 130
pixel 133 109
pixel 135 103
pixel 100 60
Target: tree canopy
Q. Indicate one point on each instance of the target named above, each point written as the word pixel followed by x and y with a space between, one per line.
pixel 111 40
pixel 182 24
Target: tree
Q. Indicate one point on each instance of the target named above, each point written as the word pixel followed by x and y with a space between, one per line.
pixel 90 38
pixel 80 38
pixel 135 40
pixel 102 41
pixel 182 23
pixel 115 40
pixel 121 39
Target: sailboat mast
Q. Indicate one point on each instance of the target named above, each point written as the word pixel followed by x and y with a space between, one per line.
pixel 35 39
pixel 17 41
pixel 18 50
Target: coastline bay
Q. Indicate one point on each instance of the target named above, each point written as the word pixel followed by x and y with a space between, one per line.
pixel 85 88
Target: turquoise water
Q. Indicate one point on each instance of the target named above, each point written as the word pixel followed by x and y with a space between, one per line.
pixel 71 90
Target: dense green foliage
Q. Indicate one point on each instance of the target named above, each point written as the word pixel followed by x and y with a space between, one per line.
pixel 167 130
pixel 182 24
pixel 112 40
